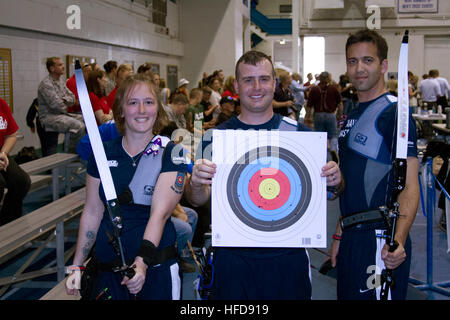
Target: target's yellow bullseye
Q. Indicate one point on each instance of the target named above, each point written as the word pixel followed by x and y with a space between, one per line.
pixel 269 189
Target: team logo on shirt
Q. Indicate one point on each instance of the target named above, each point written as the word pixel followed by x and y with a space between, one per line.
pixel 113 163
pixel 3 123
pixel 361 139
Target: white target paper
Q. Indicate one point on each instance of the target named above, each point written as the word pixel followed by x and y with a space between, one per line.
pixel 267 190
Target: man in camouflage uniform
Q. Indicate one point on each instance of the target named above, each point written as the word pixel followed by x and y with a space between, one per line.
pixel 54 98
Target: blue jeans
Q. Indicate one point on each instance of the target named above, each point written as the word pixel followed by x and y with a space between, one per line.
pixel 185 231
pixel 326 122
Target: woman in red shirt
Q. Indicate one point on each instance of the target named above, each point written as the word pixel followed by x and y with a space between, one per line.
pixel 229 90
pixel 96 85
pixel 125 70
pixel 12 176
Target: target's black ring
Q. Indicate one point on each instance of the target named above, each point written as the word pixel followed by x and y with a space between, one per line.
pixel 293 212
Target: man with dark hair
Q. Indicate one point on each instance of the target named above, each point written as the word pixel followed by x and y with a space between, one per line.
pixel 309 76
pixel 368 36
pixel 54 98
pixel 366 152
pixel 256 273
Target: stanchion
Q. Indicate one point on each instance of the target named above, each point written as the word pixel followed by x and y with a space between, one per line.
pixel 430 202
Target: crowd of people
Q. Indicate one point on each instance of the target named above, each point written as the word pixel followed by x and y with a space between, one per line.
pixel 140 119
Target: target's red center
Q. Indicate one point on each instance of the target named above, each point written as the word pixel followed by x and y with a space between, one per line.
pixel 269 188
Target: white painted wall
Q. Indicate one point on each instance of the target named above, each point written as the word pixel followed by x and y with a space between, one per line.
pixel 215 33
pixel 436 55
pixel 115 22
pixel 110 30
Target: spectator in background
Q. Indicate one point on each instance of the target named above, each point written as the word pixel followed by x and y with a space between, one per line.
pixel 72 85
pixel 228 109
pixel 392 85
pixel 125 70
pixel 32 114
pixel 95 66
pixel 326 100
pixel 443 86
pixel 298 90
pixel 96 86
pixel 310 77
pixel 182 87
pixel 283 100
pixel 111 70
pixel 194 114
pixel 348 94
pixel 204 81
pixel 208 109
pixel 184 220
pixel 146 69
pixel 164 92
pixel 228 88
pixel 214 84
pixel 71 82
pixel 156 80
pixel 219 75
pixel 412 88
pixel 317 79
pixel 176 110
pixel 12 176
pixel 430 91
pixel 53 99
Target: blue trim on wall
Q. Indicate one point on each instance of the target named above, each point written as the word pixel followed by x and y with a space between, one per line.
pixel 271 26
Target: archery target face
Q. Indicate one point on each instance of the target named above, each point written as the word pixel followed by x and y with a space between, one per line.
pixel 267 190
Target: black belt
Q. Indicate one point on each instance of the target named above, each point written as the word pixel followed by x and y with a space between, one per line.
pixel 163 255
pixel 361 218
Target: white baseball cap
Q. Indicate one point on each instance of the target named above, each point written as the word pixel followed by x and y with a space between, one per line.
pixel 182 81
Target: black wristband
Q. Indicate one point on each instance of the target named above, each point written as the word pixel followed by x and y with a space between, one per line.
pixel 148 252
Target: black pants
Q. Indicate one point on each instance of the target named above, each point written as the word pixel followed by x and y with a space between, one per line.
pixel 49 142
pixel 359 261
pixel 443 102
pixel 18 183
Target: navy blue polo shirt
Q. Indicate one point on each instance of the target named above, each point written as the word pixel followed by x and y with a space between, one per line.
pixel 364 188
